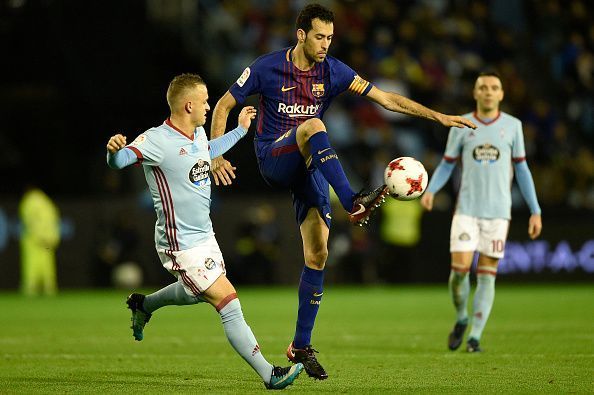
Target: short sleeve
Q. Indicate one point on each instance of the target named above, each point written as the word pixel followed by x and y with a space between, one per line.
pixel 518 148
pixel 148 148
pixel 454 144
pixel 247 84
pixel 344 78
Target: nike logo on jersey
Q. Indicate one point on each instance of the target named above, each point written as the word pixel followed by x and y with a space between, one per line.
pixel 328 216
pixel 315 294
pixel 320 152
pixel 287 89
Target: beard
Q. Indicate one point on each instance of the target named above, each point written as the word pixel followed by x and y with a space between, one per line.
pixel 311 55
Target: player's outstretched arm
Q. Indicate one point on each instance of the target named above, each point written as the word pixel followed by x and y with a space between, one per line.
pixel 246 115
pixel 117 157
pixel 222 170
pixel 222 144
pixel 397 103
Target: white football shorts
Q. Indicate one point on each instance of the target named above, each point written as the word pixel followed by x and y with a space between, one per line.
pixel 196 268
pixel 485 235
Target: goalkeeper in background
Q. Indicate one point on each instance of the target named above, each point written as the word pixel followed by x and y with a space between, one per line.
pixel 40 220
pixel 483 210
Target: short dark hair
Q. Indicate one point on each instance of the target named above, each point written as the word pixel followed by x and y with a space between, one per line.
pixel 311 12
pixel 180 84
pixel 489 73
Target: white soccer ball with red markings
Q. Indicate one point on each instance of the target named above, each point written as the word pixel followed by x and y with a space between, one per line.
pixel 406 178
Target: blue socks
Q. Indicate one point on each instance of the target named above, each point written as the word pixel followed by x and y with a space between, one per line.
pixel 324 158
pixel 310 295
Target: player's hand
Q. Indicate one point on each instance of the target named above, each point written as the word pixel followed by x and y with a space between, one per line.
pixel 454 121
pixel 222 171
pixel 534 226
pixel 245 117
pixel 427 200
pixel 116 143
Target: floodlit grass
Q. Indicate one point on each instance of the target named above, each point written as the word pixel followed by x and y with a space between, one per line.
pixel 540 339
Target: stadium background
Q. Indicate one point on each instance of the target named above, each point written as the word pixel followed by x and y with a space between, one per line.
pixel 77 72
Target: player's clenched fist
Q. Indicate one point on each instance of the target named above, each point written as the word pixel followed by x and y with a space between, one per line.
pixel 116 143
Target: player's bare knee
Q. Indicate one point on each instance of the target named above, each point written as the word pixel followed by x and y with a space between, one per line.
pixel 311 127
pixel 460 267
pixel 317 258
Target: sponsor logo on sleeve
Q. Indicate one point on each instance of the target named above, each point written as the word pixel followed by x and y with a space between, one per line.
pixel 244 77
pixel 138 140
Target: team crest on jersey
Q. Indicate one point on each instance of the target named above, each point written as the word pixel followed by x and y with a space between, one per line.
pixel 210 264
pixel 199 173
pixel 138 140
pixel 317 90
pixel 485 153
pixel 244 77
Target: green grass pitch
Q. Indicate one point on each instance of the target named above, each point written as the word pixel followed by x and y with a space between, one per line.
pixel 540 339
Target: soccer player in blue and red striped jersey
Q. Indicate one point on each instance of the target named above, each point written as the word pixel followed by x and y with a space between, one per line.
pixel 176 159
pixel 296 85
pixel 483 210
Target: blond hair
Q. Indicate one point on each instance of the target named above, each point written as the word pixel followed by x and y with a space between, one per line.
pixel 179 85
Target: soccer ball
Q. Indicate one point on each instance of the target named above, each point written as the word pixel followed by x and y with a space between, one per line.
pixel 406 178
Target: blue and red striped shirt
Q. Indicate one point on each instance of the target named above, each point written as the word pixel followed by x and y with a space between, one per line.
pixel 289 96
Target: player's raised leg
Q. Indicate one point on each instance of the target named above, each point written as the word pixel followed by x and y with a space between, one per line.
pixel 143 306
pixel 459 287
pixel 317 151
pixel 221 294
pixel 483 300
pixel 314 233
pixel 140 317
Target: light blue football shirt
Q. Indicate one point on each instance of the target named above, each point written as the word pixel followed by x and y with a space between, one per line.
pixel 177 170
pixel 486 154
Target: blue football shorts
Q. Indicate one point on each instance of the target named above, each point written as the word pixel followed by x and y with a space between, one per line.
pixel 282 166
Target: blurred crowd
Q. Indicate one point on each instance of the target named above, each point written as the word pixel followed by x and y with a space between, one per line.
pixel 431 51
pixel 99 78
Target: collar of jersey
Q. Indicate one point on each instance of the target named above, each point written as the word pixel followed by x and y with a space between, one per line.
pixel 172 126
pixel 475 115
pixel 312 71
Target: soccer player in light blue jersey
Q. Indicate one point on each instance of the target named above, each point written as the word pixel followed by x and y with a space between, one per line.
pixel 483 210
pixel 296 86
pixel 176 159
